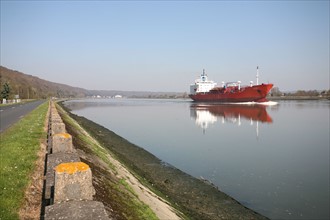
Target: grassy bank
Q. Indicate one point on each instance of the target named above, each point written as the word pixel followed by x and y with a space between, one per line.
pixel 112 189
pixel 18 154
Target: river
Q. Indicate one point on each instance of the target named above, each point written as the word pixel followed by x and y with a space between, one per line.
pixel 272 159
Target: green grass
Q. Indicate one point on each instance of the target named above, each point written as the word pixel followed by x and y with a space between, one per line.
pixel 19 145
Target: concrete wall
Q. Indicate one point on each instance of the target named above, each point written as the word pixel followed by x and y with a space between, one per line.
pixel 68 189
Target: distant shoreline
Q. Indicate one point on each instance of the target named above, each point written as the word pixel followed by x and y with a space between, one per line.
pixel 279 98
pixel 270 98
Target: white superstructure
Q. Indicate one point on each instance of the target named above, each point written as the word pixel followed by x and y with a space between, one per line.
pixel 202 84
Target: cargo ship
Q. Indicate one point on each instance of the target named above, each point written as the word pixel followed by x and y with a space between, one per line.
pixel 204 90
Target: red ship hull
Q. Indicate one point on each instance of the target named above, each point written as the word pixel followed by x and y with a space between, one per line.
pixel 255 93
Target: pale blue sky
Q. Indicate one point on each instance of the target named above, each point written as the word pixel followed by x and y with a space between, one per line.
pixel 164 45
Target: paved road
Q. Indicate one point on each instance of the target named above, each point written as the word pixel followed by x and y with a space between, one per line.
pixel 10 114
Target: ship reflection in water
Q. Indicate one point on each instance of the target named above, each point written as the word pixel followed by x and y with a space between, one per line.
pixel 207 114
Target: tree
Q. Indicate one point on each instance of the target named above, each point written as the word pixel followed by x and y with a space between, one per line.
pixel 276 92
pixel 5 91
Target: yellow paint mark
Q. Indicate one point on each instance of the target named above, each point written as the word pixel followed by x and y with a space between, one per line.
pixel 64 135
pixel 71 168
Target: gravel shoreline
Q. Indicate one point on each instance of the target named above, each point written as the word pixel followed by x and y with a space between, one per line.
pixel 195 198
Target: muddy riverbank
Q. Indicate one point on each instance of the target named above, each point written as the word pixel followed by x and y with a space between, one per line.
pixel 197 199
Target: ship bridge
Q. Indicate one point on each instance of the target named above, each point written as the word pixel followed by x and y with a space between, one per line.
pixel 202 84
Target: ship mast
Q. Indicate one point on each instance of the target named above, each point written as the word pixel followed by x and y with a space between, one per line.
pixel 257 76
pixel 204 76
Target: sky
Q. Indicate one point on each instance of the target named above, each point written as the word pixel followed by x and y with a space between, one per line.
pixel 165 45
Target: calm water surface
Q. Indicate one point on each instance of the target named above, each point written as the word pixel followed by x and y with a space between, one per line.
pixel 273 159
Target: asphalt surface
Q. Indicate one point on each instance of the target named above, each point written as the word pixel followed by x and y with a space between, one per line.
pixel 10 114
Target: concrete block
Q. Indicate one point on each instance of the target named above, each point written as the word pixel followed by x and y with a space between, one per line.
pixel 57 128
pixel 77 210
pixel 56 120
pixel 53 160
pixel 62 142
pixel 73 181
pixel 54 113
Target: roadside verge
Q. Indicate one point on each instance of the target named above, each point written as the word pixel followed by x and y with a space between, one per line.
pixel 19 150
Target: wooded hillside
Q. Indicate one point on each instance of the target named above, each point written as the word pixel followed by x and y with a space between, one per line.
pixel 31 87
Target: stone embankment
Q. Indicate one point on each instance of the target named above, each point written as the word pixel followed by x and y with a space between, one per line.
pixel 68 190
